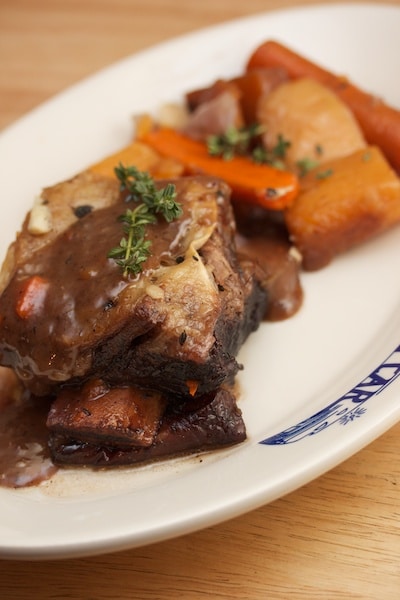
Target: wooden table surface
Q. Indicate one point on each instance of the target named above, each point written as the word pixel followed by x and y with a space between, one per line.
pixel 338 536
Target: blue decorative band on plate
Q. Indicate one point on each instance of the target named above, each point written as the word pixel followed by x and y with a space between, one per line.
pixel 347 408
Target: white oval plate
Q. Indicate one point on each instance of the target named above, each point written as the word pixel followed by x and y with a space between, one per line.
pixel 316 388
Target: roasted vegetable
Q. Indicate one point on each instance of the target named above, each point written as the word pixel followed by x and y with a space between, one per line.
pixel 258 184
pixel 249 88
pixel 379 122
pixel 343 203
pixel 317 125
pixel 143 157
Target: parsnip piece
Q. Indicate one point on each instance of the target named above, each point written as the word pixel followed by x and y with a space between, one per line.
pixel 318 125
pixel 173 115
pixel 342 204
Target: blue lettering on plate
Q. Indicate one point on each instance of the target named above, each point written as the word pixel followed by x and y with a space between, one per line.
pixel 345 409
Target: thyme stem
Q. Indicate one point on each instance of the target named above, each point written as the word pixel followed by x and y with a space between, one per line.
pixel 134 249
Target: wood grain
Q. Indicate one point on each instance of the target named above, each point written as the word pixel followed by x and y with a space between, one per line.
pixel 337 537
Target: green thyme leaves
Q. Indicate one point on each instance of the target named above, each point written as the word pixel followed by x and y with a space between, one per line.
pixel 141 187
pixel 245 142
pixel 305 165
pixel 274 156
pixel 134 248
pixel 233 141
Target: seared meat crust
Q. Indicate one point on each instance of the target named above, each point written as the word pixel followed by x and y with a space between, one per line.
pixel 179 324
pixel 197 425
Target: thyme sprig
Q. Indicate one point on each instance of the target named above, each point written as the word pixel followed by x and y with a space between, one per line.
pixel 274 156
pixel 305 165
pixel 233 141
pixel 134 249
pixel 244 141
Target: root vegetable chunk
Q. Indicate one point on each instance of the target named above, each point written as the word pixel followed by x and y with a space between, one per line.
pixel 318 125
pixel 343 204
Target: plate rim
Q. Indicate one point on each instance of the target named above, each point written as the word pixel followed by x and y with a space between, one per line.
pixel 247 500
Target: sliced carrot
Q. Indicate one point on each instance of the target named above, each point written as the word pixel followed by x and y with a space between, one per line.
pixel 380 123
pixel 263 185
pixel 192 386
pixel 31 296
pixel 273 54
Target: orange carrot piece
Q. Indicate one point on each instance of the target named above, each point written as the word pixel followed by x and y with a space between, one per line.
pixel 380 123
pixel 31 296
pixel 192 386
pixel 263 185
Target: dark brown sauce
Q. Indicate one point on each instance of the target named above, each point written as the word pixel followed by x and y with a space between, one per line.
pixel 262 237
pixel 84 290
pixel 281 275
pixel 24 454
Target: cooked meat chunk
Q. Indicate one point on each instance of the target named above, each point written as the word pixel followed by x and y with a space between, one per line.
pixel 125 415
pixel 196 425
pixel 68 313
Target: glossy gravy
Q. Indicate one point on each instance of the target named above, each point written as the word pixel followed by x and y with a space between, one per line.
pixel 24 454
